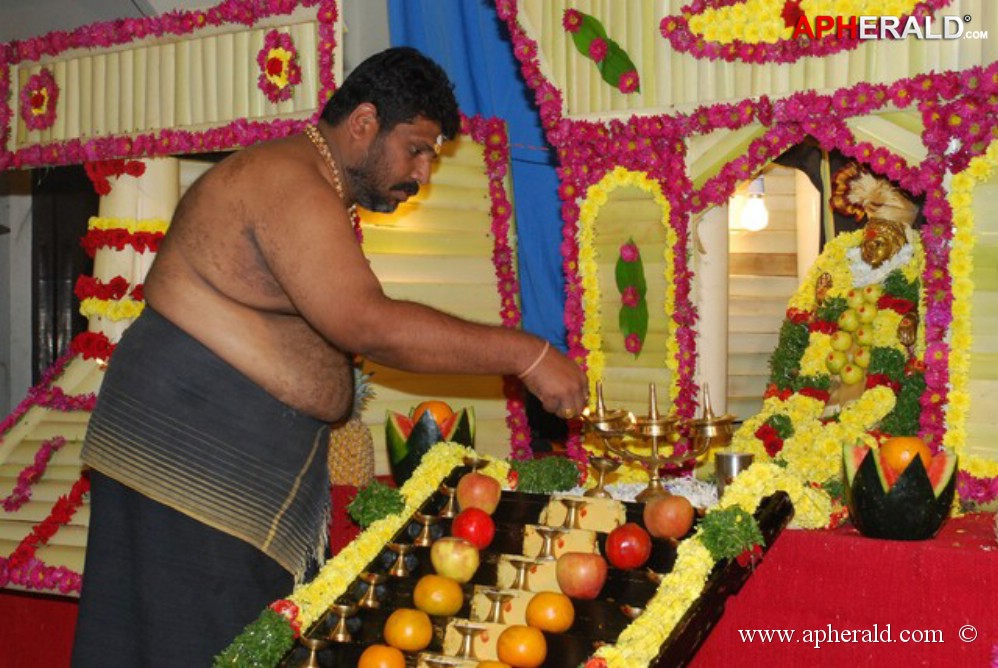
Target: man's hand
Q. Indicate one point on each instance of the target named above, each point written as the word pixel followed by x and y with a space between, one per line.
pixel 559 383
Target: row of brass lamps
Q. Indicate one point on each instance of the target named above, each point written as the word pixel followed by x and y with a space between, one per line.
pixel 622 433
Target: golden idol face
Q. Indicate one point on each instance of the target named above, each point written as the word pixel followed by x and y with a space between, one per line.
pixel 876 251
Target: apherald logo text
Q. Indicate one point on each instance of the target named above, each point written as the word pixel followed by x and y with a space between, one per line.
pixel 879 27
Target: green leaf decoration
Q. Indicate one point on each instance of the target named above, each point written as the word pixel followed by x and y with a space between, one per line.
pixel 831 309
pixel 889 362
pixel 782 424
pixel 375 502
pixel 630 277
pixel 262 644
pixel 634 320
pixel 615 64
pixel 729 532
pixel 784 365
pixel 896 285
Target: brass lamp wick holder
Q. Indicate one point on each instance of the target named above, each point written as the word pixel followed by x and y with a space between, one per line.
pixel 616 428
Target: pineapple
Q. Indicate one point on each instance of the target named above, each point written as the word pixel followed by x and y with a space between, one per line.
pixel 351 447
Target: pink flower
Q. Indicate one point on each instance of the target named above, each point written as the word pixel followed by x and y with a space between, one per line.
pixel 571 20
pixel 630 296
pixel 629 82
pixel 598 49
pixel 632 342
pixel 629 253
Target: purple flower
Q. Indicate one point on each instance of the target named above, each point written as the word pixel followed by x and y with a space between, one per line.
pixel 598 49
pixel 630 296
pixel 629 253
pixel 633 343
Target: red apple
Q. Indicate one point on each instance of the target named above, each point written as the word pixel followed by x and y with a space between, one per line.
pixel 668 516
pixel 474 525
pixel 581 574
pixel 476 490
pixel 628 546
pixel 454 558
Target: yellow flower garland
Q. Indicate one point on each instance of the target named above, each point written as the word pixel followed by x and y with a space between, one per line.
pixel 314 598
pixel 592 338
pixel 756 21
pixel 130 224
pixel 112 309
pixel 980 169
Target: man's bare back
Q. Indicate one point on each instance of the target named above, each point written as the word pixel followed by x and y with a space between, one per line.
pixel 211 278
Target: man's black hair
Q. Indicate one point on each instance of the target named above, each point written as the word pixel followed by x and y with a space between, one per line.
pixel 402 84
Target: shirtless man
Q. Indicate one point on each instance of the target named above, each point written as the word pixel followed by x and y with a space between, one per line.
pixel 209 488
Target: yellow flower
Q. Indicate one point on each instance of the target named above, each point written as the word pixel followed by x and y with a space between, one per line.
pixel 129 224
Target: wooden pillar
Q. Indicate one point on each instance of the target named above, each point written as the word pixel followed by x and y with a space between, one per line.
pixel 711 267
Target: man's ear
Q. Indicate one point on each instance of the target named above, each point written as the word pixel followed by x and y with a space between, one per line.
pixel 363 122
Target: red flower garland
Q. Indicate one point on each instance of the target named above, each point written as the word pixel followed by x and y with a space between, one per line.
pixel 89 287
pixel 63 510
pixel 99 171
pixel 118 238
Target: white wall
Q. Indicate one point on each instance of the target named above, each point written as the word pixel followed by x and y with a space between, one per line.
pixel 15 289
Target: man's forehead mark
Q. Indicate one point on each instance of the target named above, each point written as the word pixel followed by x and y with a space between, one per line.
pixel 438 143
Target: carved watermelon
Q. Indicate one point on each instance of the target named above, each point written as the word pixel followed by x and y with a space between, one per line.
pixel 909 506
pixel 408 441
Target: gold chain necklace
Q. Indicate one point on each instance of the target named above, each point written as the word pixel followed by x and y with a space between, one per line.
pixel 323 148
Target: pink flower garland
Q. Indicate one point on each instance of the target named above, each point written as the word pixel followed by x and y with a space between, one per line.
pixel 676 29
pixel 163 142
pixel 47 395
pixel 22 568
pixel 491 133
pixel 31 474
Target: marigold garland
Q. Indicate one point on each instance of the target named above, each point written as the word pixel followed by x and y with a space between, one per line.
pixel 977 478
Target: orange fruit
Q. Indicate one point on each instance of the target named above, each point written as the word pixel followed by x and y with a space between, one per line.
pixel 492 664
pixel 899 451
pixel 381 656
pixel 408 630
pixel 550 611
pixel 438 409
pixel 522 647
pixel 438 596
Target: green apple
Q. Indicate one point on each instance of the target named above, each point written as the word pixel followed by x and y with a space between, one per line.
pixel 851 374
pixel 864 336
pixel 835 360
pixel 866 313
pixel 855 298
pixel 849 321
pixel 454 558
pixel 841 340
pixel 861 357
pixel 871 293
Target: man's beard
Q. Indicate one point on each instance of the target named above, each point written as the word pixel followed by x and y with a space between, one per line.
pixel 366 185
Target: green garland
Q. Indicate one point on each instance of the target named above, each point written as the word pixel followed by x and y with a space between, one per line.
pixel 545 475
pixel 729 532
pixel 782 424
pixel 784 365
pixel 896 285
pixel 262 644
pixel 904 419
pixel 831 309
pixel 886 361
pixel 374 502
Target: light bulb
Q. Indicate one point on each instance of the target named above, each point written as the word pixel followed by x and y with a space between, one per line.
pixel 754 216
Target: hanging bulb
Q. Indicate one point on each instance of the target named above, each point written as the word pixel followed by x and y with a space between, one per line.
pixel 755 216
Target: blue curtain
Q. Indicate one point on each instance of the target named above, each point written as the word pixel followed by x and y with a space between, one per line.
pixel 471 44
